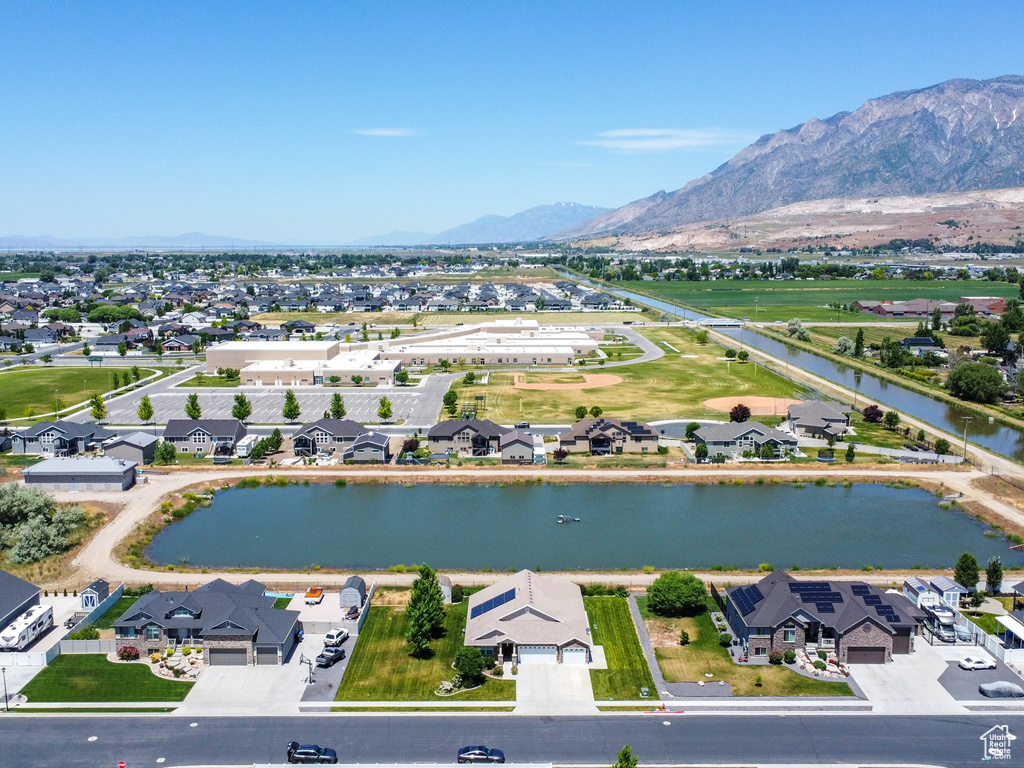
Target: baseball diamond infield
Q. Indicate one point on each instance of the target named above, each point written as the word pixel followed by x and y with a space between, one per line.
pixel 758 405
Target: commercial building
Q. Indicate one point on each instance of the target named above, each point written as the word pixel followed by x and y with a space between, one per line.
pixel 81 473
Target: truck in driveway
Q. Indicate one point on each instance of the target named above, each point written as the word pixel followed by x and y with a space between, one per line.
pixel 314 596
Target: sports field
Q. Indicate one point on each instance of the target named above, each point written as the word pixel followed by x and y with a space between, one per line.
pixel 770 300
pixel 38 387
pixel 674 386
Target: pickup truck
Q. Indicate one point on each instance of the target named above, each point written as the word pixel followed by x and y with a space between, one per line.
pixel 314 596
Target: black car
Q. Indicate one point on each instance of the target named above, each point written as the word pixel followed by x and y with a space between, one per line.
pixel 330 656
pixel 310 753
pixel 481 754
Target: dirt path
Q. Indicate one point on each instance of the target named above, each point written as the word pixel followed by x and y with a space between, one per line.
pixel 591 381
pixel 96 560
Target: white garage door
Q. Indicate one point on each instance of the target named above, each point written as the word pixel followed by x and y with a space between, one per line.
pixel 538 654
pixel 574 656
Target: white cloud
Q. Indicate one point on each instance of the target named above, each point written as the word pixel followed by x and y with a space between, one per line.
pixel 663 139
pixel 384 131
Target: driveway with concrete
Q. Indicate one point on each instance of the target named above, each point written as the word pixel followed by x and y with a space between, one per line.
pixel 911 683
pixel 553 689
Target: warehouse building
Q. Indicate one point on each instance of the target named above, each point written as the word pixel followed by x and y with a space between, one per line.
pixel 79 473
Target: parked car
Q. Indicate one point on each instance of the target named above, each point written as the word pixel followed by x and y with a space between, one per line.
pixel 972 663
pixel 330 656
pixel 523 425
pixel 336 637
pixel 310 753
pixel 1001 690
pixel 481 754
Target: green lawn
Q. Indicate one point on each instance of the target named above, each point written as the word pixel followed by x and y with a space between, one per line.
pixel 38 387
pixel 89 677
pixel 106 621
pixel 704 654
pixel 282 602
pixel 987 621
pixel 875 434
pixel 673 386
pixel 209 381
pixel 612 627
pixel 825 335
pixel 808 299
pixel 381 668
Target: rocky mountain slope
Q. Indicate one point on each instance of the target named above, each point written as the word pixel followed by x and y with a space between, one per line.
pixel 960 135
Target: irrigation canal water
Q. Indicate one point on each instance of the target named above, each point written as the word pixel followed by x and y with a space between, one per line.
pixel 622 525
pixel 997 438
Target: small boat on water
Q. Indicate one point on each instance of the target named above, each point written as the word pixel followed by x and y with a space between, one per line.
pixel 567 519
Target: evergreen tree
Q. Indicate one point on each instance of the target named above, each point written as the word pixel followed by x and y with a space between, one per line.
pixel 145 410
pixel 242 409
pixel 858 343
pixel 627 759
pixel 966 570
pixel 192 407
pixel 291 410
pixel 99 407
pixel 275 439
pixel 337 406
pixel 994 575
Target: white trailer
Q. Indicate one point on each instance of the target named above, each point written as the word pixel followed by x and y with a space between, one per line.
pixel 244 446
pixel 26 628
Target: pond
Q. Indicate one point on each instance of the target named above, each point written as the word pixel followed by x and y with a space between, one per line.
pixel 622 525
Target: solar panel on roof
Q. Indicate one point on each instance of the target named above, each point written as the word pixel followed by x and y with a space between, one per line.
pixel 494 602
pixel 872 600
pixel 754 594
pixel 810 586
pixel 893 618
pixel 825 607
pixel 861 589
pixel 739 597
pixel 824 597
pixel 884 610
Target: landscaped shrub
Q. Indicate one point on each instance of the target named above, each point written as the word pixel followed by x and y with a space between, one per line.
pixel 139 591
pixel 677 594
pixel 498 671
pixel 186 651
pixel 155 657
pixel 725 639
pixel 775 657
pixel 789 656
pixel 128 653
pixel 86 633
pixel 823 655
pixel 684 638
pixel 819 664
pixel 457 593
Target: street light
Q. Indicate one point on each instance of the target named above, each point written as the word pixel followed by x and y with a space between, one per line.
pixel 56 403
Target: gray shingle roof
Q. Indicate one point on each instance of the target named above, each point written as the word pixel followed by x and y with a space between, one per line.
pixel 14 592
pixel 484 427
pixel 718 433
pixel 136 439
pixel 215 427
pixel 816 409
pixel 336 427
pixel 70 429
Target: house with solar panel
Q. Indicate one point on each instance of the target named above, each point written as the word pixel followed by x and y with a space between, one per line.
pixel 860 623
pixel 528 618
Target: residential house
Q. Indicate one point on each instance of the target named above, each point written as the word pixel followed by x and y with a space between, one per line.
pixel 369 448
pixel 181 343
pixel 817 418
pixel 516 447
pixel 42 335
pixel 234 625
pixel 110 343
pixel 299 327
pixel 328 435
pixel 61 438
pixel 530 618
pixel 466 437
pixel 208 436
pixel 737 437
pixel 861 623
pixel 607 435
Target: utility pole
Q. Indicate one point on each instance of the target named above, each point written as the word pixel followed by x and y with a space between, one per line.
pixel 967 420
pixel 7 707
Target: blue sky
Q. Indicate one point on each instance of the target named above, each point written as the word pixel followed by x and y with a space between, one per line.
pixel 327 121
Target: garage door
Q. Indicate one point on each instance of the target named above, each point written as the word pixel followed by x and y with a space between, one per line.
pixel 865 655
pixel 538 654
pixel 901 643
pixel 266 657
pixel 574 656
pixel 227 657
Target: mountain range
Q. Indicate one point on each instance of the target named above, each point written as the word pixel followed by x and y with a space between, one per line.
pixel 530 225
pixel 958 136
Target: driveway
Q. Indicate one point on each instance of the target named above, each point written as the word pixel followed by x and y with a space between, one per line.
pixel 910 684
pixel 553 689
pixel 962 684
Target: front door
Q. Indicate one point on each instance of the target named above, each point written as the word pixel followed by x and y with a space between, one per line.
pixel 506 652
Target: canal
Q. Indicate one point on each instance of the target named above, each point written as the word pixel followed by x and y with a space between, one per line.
pixel 621 525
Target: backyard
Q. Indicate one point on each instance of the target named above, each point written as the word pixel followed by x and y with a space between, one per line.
pixel 114 612
pixel 381 668
pixel 673 386
pixel 704 654
pixel 612 627
pixel 90 677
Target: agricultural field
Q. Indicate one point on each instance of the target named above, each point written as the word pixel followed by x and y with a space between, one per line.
pixel 674 386
pixel 770 300
pixel 39 387
pixel 873 334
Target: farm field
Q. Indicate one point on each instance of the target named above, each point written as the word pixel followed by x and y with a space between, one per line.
pixel 38 387
pixel 675 386
pixel 873 334
pixel 808 300
pixel 441 319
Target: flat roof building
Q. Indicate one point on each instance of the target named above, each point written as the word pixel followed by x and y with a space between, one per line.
pixel 80 473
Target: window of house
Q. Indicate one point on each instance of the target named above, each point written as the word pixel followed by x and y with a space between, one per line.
pixel 199 439
pixel 152 632
pixel 182 612
pixel 789 635
pixel 322 438
pixel 761 651
pixel 760 631
pixel 128 632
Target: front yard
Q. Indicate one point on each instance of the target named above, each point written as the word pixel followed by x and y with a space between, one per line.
pixel 90 677
pixel 611 626
pixel 381 668
pixel 704 654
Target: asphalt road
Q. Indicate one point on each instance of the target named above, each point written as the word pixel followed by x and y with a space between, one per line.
pixel 27 741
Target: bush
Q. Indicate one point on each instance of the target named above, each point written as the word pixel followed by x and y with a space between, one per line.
pixel 789 656
pixel 820 665
pixel 457 593
pixel 823 655
pixel 725 639
pixel 86 633
pixel 498 671
pixel 154 658
pixel 873 414
pixel 677 594
pixel 139 591
pixel 128 653
pixel 340 482
pixel 775 657
pixel 684 638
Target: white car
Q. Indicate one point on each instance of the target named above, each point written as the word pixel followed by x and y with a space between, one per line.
pixel 972 663
pixel 336 637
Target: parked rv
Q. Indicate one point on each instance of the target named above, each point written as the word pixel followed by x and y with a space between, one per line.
pixel 24 630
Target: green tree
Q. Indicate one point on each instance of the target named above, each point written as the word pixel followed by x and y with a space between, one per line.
pixel 135 373
pixel 994 575
pixel 192 408
pixel 384 409
pixel 116 379
pixel 275 439
pixel 921 436
pixel 451 397
pixel 844 346
pixel 936 319
pixel 291 410
pixel 595 411
pixel 98 407
pixel 976 382
pixel 145 410
pixel 122 349
pixel 942 446
pixel 425 611
pixel 767 451
pixel 357 380
pixel 242 409
pixel 677 594
pixel 995 338
pixel 581 412
pixel 892 420
pixel 702 337
pixel 626 759
pixel 337 406
pixel 701 451
pixel 691 429
pixel 402 378
pixel 165 453
pixel 86 349
pixel 158 348
pixel 469 662
pixel 966 570
pixel 743 356
pixel 851 454
pixel 444 365
pixel 46 359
